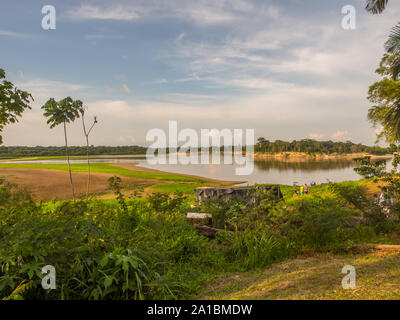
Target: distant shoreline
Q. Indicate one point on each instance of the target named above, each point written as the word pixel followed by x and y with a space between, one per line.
pixel 282 156
pixel 302 156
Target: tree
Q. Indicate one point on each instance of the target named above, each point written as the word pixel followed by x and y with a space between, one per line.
pixel 376 6
pixel 13 102
pixel 87 133
pixel 385 94
pixel 392 46
pixel 63 112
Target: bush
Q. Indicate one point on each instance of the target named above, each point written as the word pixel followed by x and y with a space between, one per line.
pixel 145 249
pixel 314 221
pixel 118 249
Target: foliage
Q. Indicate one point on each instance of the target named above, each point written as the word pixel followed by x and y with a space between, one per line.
pixel 376 6
pixel 312 146
pixel 13 102
pixel 370 169
pixel 99 250
pixel 52 152
pixel 143 248
pixel 240 213
pixel 378 212
pixel 115 186
pixel 385 94
pixel 63 111
pixel 313 220
pixel 392 46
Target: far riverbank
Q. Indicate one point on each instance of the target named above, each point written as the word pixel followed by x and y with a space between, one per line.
pixel 302 156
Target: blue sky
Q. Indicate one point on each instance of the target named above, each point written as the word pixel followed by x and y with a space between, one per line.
pixel 284 68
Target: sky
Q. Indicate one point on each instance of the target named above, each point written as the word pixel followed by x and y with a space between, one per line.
pixel 285 68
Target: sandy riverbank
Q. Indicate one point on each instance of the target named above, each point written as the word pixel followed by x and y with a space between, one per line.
pixel 135 167
pixel 302 156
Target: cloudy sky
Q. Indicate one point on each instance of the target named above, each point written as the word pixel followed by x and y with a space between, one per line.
pixel 285 68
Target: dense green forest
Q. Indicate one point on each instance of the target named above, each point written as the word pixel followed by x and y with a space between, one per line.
pixel 263 145
pixel 314 146
pixel 38 151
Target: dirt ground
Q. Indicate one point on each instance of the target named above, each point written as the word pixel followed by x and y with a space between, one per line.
pixel 48 184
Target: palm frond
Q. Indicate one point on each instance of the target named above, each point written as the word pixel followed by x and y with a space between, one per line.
pixel 392 121
pixel 392 46
pixel 396 68
pixel 376 6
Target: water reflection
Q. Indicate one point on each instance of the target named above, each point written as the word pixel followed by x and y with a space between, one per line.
pixel 309 165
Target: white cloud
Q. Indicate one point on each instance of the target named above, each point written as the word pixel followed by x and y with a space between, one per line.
pixel 114 12
pixel 159 81
pixel 180 37
pixel 125 139
pixel 286 75
pixel 14 34
pixel 124 89
pixel 43 89
pixel 316 136
pixel 94 37
pixel 201 12
pixel 341 135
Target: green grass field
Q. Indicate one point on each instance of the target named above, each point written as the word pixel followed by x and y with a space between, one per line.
pixel 107 168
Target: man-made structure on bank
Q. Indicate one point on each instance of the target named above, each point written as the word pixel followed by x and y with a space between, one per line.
pixel 199 218
pixel 205 193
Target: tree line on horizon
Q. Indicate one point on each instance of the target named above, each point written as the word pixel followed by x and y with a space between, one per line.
pixel 262 146
pixel 48 151
pixel 314 146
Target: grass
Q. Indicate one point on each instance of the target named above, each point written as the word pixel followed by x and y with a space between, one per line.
pixel 315 277
pixel 184 188
pixel 107 168
pixel 87 240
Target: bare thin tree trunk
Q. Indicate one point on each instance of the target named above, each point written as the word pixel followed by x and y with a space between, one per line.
pixel 87 155
pixel 88 165
pixel 69 165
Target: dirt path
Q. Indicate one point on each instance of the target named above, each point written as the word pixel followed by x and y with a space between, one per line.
pixel 47 184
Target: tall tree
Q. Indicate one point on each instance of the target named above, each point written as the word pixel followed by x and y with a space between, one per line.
pixel 63 112
pixel 392 46
pixel 13 102
pixel 385 94
pixel 87 133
